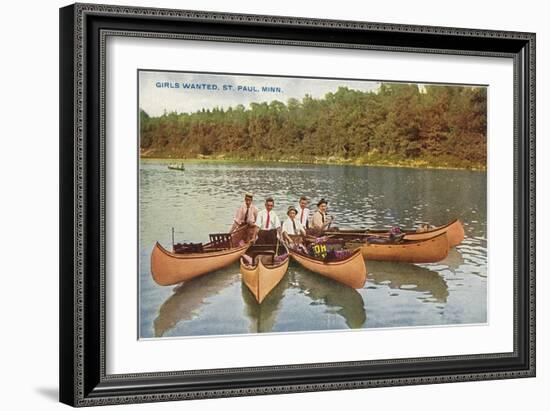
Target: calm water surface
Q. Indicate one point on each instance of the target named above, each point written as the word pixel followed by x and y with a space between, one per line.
pixel 203 198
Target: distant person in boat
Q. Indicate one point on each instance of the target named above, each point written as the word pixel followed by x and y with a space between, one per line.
pixel 321 220
pixel 303 211
pixel 292 225
pixel 246 214
pixel 268 223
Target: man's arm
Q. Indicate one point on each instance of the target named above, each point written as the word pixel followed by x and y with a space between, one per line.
pixel 259 221
pixel 317 221
pixel 237 219
pixel 328 221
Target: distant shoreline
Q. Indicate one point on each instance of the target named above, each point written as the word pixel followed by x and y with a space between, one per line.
pixel 416 164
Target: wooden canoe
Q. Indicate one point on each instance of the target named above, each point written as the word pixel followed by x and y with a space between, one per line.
pixel 352 271
pixel 454 230
pixel 168 268
pixel 430 250
pixel 264 273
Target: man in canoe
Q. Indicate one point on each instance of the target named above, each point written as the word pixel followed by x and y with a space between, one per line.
pixel 303 211
pixel 292 226
pixel 246 214
pixel 268 223
pixel 321 220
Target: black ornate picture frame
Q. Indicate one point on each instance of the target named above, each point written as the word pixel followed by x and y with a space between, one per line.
pixel 83 32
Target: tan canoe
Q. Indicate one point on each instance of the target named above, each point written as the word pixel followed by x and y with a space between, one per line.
pixel 429 250
pixel 352 271
pixel 169 268
pixel 264 273
pixel 454 230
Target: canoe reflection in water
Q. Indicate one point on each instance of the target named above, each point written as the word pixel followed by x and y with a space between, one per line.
pixel 189 297
pixel 339 298
pixel 336 297
pixel 409 277
pixel 454 260
pixel 188 300
pixel 262 316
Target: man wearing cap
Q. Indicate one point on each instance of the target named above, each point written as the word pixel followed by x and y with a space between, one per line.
pixel 246 214
pixel 321 220
pixel 292 225
pixel 303 212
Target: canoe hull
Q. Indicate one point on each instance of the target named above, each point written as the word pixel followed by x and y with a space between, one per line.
pixel 352 271
pixel 168 268
pixel 454 230
pixel 430 250
pixel 261 279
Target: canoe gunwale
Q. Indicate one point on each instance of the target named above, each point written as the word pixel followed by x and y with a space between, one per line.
pixel 367 231
pixel 441 227
pixel 207 254
pixel 268 267
pixel 323 263
pixel 409 243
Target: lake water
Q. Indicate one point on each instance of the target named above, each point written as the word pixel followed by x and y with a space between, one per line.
pixel 203 199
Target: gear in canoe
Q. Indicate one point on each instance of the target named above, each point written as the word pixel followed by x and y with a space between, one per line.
pixel 329 259
pixel 192 260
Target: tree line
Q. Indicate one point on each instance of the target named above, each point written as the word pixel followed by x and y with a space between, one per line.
pixel 396 124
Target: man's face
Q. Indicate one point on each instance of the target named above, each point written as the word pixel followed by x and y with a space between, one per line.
pixel 269 205
pixel 303 203
pixel 292 214
pixel 247 201
pixel 323 208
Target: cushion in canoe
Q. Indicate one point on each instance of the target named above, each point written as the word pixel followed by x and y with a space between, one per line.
pixel 186 248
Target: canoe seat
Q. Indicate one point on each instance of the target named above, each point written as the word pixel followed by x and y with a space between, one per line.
pixel 266 258
pixel 221 240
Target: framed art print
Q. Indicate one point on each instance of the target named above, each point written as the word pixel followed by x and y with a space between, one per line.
pixel 336 204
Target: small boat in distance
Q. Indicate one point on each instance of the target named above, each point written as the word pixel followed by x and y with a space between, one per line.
pixel 177 166
pixel 262 267
pixel 192 260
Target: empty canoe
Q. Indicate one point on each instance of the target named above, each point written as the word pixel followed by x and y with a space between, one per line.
pixel 169 268
pixel 262 269
pixel 430 250
pixel 454 230
pixel 350 271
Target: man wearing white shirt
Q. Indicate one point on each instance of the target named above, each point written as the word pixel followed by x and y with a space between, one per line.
pixel 303 212
pixel 267 220
pixel 292 225
pixel 245 214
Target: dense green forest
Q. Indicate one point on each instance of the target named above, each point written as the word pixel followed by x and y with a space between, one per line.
pixel 398 124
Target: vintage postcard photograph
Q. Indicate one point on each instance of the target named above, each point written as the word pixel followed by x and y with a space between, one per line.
pixel 274 204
